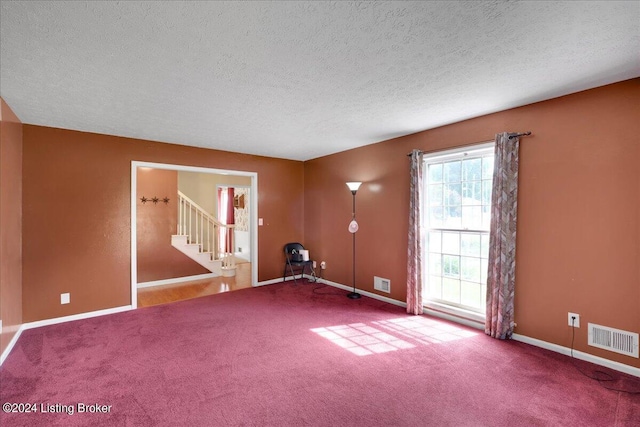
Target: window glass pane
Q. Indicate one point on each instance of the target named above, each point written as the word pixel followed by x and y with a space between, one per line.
pixel 451 290
pixel 451 243
pixel 436 216
pixel 470 244
pixel 470 295
pixel 452 171
pixel 471 169
pixel 487 167
pixel 435 264
pixel 450 266
pixel 484 271
pixel 470 269
pixel 486 191
pixel 486 217
pixel 434 287
pixel 484 245
pixel 435 195
pixel 452 194
pixel 471 193
pixel 435 241
pixel 453 217
pixel 435 173
pixel 472 217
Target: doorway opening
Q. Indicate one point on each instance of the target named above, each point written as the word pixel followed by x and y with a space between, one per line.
pixel 152 212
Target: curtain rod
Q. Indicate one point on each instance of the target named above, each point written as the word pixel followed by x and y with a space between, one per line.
pixel 480 142
pixel 520 134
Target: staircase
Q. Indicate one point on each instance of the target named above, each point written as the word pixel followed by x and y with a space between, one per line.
pixel 201 237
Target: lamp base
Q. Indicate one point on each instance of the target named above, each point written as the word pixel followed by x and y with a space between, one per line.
pixel 353 295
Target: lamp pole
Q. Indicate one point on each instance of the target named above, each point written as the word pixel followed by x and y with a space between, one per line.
pixel 353 227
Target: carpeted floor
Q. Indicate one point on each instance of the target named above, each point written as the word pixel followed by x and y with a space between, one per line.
pixel 283 355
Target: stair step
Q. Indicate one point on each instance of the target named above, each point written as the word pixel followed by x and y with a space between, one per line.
pixel 192 250
pixel 179 238
pixel 205 256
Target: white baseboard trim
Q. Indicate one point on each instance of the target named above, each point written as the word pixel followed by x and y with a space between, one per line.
pixel 365 293
pixel 278 280
pixel 176 280
pixel 57 320
pixel 78 316
pixel 616 366
pixel 13 342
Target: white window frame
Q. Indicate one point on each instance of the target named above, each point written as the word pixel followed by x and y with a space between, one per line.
pixel 453 312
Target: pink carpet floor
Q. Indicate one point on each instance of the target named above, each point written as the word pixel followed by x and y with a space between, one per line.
pixel 282 355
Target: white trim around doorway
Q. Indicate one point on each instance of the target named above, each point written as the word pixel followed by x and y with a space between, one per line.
pixel 253 215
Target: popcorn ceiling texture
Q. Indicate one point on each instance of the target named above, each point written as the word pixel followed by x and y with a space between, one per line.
pixel 304 79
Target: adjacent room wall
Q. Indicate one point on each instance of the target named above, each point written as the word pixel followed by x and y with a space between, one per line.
pixel 155 224
pixel 202 187
pixel 10 224
pixel 77 209
pixel 579 211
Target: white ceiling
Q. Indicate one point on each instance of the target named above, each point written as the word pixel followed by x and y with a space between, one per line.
pixel 300 80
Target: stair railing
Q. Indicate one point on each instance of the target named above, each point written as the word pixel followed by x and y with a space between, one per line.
pixel 203 229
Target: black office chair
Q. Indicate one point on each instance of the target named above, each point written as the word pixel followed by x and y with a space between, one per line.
pixel 294 260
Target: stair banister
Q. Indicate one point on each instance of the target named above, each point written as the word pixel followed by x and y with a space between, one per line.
pixel 187 209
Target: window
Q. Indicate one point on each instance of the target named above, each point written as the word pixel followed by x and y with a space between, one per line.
pixel 457 214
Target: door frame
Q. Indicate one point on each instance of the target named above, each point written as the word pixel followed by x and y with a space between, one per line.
pixel 253 215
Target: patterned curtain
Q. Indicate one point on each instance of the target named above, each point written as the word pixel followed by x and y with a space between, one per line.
pixel 502 240
pixel 414 264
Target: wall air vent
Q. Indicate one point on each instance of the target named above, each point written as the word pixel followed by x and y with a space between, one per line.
pixel 381 284
pixel 615 340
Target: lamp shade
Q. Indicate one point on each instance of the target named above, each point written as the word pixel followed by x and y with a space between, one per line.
pixel 353 186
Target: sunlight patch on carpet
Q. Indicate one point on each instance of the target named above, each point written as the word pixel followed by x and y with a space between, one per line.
pixel 364 340
pixel 424 330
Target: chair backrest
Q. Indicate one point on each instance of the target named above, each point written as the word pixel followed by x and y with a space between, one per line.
pixel 292 249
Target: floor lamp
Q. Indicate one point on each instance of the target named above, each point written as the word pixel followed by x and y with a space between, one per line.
pixel 353 227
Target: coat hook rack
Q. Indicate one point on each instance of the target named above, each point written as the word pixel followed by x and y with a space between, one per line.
pixel 155 200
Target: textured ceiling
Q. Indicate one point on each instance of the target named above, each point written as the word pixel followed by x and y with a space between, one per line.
pixel 300 80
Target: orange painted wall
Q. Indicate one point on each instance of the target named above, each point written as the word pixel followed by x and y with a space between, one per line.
pixel 155 223
pixel 578 232
pixel 10 224
pixel 579 211
pixel 77 208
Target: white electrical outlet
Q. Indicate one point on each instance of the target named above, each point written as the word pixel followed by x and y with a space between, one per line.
pixel 323 265
pixel 314 264
pixel 574 320
pixel 65 298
